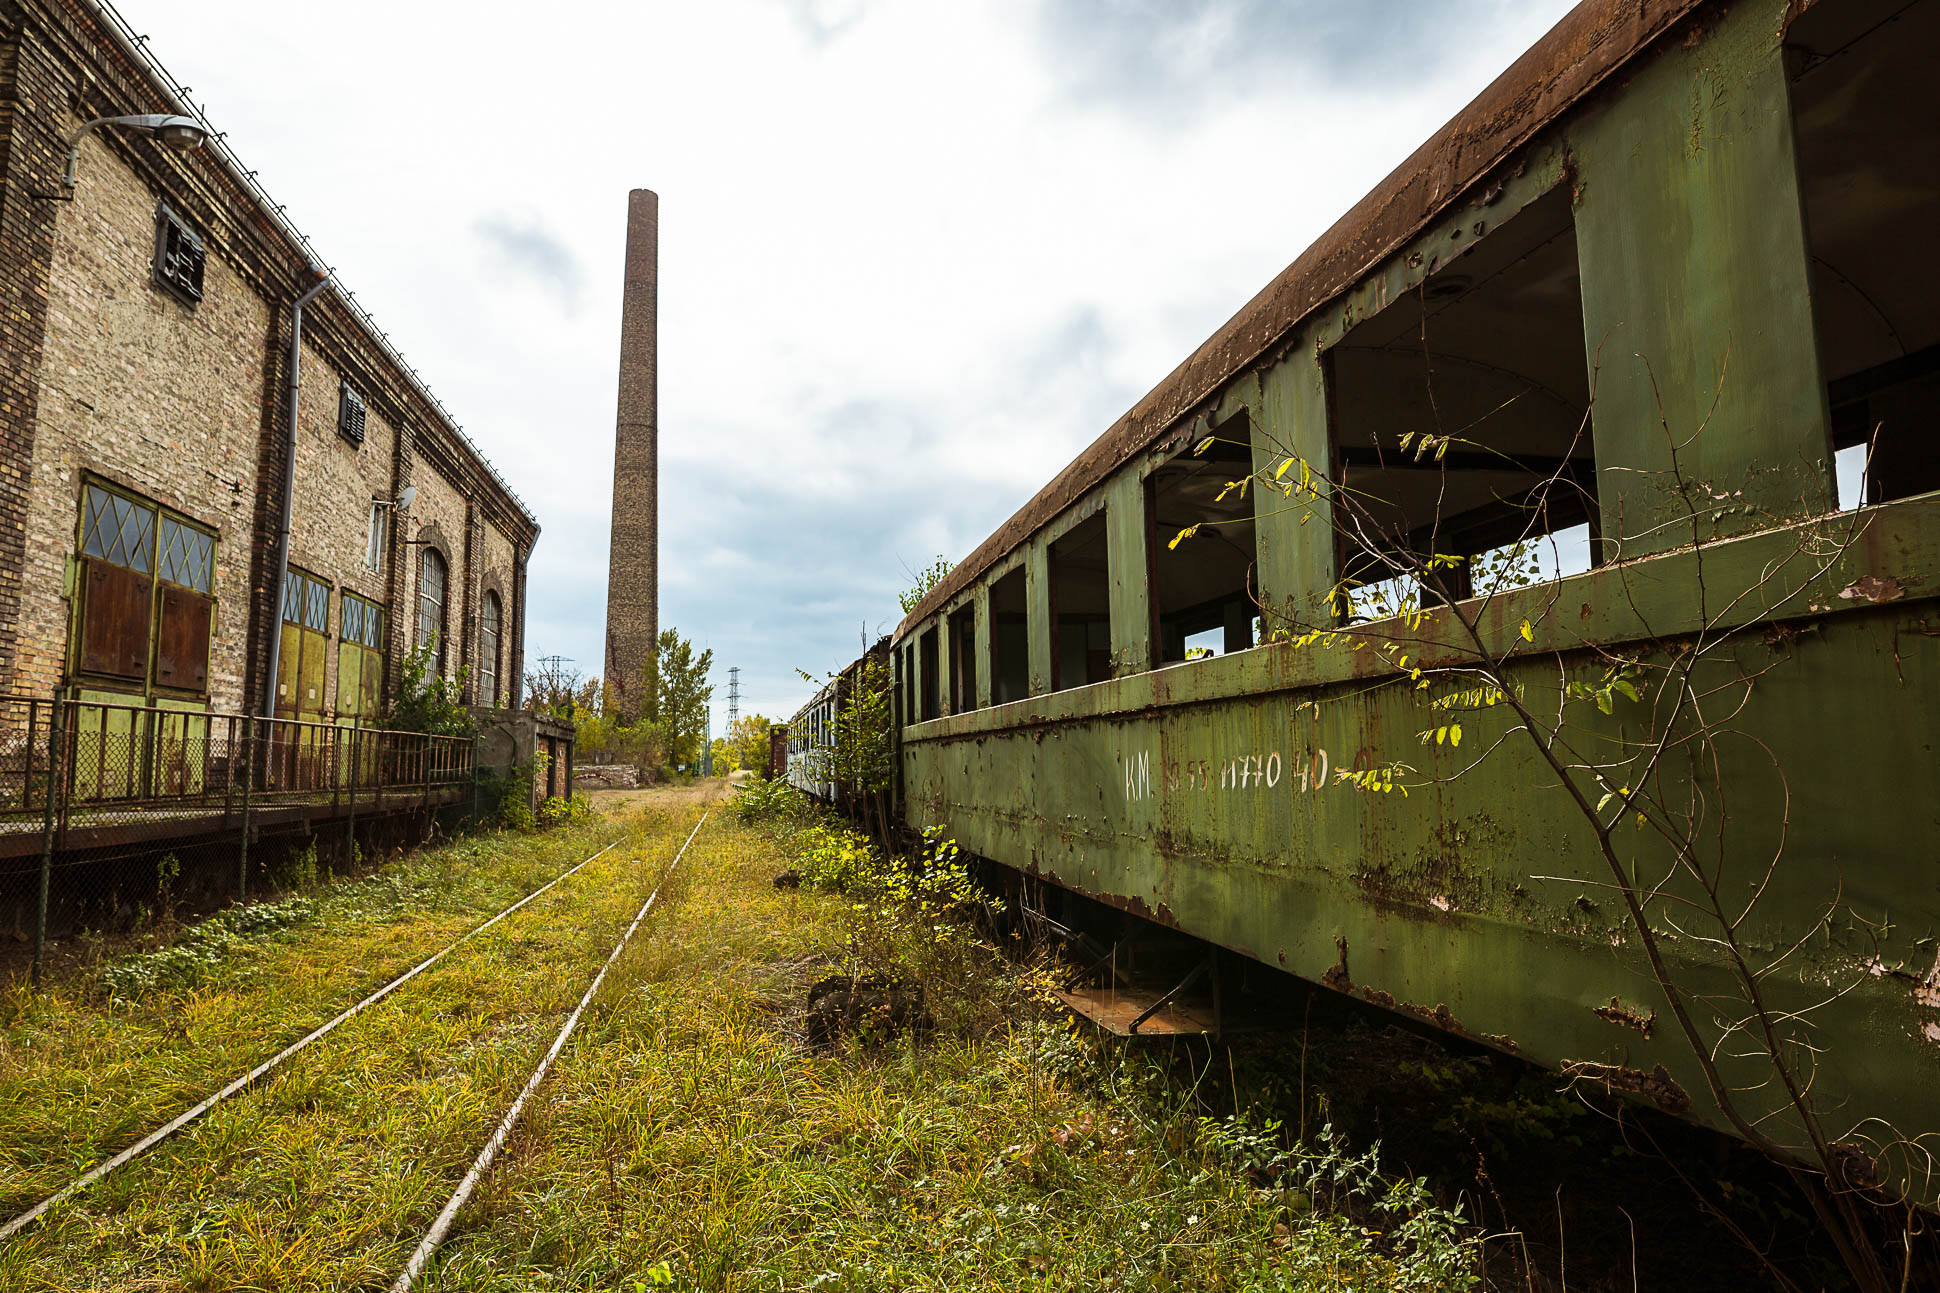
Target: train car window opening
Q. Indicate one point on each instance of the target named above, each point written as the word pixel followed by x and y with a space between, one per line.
pixel 1202 584
pixel 1201 646
pixel 898 688
pixel 1380 599
pixel 927 666
pixel 1868 130
pixel 1486 363
pixel 909 682
pixel 1539 560
pixel 1010 643
pixel 1849 474
pixel 1081 606
pixel 963 660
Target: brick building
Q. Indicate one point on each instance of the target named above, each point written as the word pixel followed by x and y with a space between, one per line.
pixel 146 315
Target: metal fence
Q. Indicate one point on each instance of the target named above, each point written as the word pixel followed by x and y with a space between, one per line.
pixel 101 802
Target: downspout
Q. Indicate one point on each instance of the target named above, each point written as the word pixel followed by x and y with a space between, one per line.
pixel 289 496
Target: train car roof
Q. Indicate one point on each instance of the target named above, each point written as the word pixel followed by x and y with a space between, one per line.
pixel 1576 55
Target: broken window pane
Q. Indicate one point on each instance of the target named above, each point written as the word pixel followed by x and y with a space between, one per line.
pixel 1010 650
pixel 963 660
pixel 1200 508
pixel 1462 426
pixel 927 665
pixel 1868 128
pixel 1081 606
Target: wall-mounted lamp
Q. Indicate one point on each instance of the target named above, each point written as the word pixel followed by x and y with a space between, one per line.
pixel 178 134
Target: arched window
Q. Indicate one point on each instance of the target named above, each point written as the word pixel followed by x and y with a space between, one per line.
pixel 488 634
pixel 431 605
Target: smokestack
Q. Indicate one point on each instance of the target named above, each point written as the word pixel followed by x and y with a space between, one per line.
pixel 633 561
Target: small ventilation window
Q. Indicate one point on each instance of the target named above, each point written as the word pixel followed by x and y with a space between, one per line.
pixel 350 414
pixel 178 255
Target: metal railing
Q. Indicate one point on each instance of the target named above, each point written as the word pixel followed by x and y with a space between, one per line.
pixel 87 775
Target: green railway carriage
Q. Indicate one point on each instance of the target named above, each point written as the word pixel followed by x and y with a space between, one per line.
pixel 1665 285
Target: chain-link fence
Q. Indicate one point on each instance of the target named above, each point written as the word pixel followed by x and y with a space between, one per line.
pixel 116 816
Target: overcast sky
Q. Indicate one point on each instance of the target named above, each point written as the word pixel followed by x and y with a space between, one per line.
pixel 913 256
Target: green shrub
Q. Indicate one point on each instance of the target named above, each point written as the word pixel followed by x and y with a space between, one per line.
pixel 1346 1222
pixel 298 870
pixel 184 964
pixel 773 803
pixel 427 702
pixel 560 812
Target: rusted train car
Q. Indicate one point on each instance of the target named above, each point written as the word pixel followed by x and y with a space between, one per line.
pixel 811 763
pixel 1521 613
pixel 810 732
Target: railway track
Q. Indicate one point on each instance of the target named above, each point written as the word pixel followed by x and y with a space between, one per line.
pixel 470 1054
pixel 440 1228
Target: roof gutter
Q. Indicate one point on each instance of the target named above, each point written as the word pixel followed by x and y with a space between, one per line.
pixel 289 496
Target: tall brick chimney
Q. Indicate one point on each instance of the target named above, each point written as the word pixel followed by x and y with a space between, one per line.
pixel 633 561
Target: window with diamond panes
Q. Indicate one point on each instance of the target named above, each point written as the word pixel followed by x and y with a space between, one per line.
pixel 179 256
pixel 300 672
pixel 187 555
pixel 147 608
pixel 360 658
pixel 118 529
pixel 186 608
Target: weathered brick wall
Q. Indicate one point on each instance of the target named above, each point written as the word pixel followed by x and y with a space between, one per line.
pixel 149 393
pixel 335 483
pixel 30 155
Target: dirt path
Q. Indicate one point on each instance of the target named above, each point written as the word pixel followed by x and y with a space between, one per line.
pixel 699 794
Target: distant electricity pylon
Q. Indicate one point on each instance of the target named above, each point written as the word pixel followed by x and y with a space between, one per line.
pixel 734 696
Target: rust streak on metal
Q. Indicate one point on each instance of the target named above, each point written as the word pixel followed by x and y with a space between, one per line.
pixel 1336 975
pixel 1658 1086
pixel 1617 1013
pixel 1137 906
pixel 1439 1014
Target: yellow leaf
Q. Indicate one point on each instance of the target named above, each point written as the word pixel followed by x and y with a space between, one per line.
pixel 1455 734
pixel 1528 634
pixel 1202 446
pixel 1281 470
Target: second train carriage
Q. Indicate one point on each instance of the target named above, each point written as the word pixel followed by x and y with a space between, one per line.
pixel 809 733
pixel 1661 282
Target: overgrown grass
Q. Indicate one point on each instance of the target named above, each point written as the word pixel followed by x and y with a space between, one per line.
pixel 695 1138
pixel 689 1137
pixel 287 1185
